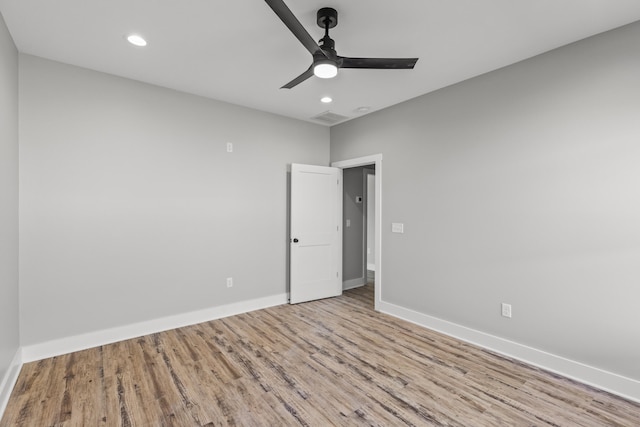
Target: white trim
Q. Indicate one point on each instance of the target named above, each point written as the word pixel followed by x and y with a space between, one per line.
pixel 371 267
pixel 604 380
pixel 354 283
pixel 9 381
pixel 360 161
pixel 66 345
pixel 375 159
pixel 365 224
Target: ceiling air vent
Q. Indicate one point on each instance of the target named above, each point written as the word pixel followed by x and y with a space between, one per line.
pixel 329 118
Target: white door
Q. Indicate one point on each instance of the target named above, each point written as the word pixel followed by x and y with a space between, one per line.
pixel 316 234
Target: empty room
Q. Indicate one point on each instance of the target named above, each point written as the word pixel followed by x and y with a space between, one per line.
pixel 287 212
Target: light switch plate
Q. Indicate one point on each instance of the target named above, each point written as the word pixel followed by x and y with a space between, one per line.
pixel 397 227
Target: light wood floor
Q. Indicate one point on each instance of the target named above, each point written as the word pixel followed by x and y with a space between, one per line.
pixel 329 362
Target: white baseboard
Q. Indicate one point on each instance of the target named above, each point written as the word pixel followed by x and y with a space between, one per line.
pixel 9 381
pixel 604 380
pixel 66 345
pixel 354 283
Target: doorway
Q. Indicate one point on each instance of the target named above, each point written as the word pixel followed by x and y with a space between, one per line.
pixel 358 239
pixel 374 164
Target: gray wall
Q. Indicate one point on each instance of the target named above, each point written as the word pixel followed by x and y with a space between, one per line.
pixel 9 330
pixel 131 208
pixel 520 186
pixel 352 236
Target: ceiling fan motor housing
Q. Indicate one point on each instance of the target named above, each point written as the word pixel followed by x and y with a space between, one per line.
pixel 327 44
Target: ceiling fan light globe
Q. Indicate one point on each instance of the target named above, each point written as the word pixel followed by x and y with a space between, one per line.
pixel 325 70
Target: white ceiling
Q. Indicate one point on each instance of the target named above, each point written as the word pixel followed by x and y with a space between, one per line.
pixel 240 52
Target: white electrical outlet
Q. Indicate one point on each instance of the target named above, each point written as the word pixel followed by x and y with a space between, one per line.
pixel 229 147
pixel 348 223
pixel 229 282
pixel 506 310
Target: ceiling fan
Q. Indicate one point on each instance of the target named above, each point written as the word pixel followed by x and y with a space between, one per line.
pixel 326 60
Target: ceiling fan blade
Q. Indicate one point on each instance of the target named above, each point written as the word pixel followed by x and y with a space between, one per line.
pixel 302 77
pixel 289 19
pixel 378 63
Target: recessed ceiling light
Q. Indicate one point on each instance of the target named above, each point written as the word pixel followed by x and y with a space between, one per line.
pixel 136 40
pixel 326 99
pixel 363 109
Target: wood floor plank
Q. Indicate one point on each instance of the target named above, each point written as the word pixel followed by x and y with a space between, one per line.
pixel 327 362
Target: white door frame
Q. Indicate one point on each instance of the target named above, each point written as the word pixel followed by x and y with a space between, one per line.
pixel 368 214
pixel 375 159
